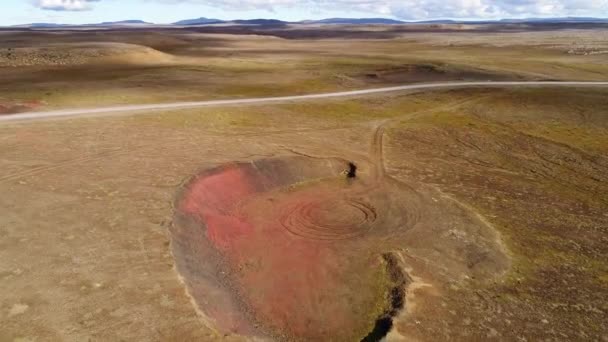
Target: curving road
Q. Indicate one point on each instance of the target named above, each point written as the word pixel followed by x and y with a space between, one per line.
pixel 182 105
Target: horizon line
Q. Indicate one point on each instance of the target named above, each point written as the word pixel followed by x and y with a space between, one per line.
pixel 388 18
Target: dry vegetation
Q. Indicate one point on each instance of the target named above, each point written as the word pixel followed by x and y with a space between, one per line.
pixel 87 202
pixel 84 68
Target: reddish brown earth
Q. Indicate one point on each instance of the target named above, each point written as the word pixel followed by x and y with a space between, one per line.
pixel 13 108
pixel 292 248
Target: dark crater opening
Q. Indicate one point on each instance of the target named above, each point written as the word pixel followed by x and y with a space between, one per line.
pixel 381 329
pixel 351 172
pixel 396 299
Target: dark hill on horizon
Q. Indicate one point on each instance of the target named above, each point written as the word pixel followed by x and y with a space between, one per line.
pixel 330 21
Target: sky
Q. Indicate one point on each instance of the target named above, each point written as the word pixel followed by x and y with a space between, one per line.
pixel 14 12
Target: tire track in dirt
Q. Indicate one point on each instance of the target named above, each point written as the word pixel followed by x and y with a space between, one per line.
pixel 279 132
pixel 377 152
pixel 65 163
pixel 112 153
pixel 377 145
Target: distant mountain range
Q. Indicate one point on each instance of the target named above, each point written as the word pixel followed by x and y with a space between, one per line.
pixel 34 25
pixel 564 20
pixel 329 21
pixel 199 21
pixel 557 20
pixel 355 21
pixel 106 23
pixel 124 22
pixel 384 21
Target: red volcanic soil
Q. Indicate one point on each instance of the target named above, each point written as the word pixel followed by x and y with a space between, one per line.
pixel 275 237
pixel 294 249
pixel 14 108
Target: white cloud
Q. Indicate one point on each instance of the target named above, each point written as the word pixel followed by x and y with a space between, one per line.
pixel 403 9
pixel 427 9
pixel 64 5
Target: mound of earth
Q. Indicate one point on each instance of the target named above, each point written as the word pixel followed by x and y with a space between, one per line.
pixel 430 73
pixel 81 54
pixel 301 248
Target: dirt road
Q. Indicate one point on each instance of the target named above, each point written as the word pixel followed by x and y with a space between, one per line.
pixel 265 100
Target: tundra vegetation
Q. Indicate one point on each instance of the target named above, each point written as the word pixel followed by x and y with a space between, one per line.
pixel 475 214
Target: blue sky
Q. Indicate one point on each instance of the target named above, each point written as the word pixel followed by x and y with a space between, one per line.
pixel 165 11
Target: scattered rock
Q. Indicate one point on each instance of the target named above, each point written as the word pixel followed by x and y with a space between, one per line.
pixel 18 309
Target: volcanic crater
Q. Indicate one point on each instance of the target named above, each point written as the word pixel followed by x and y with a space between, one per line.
pixel 302 248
